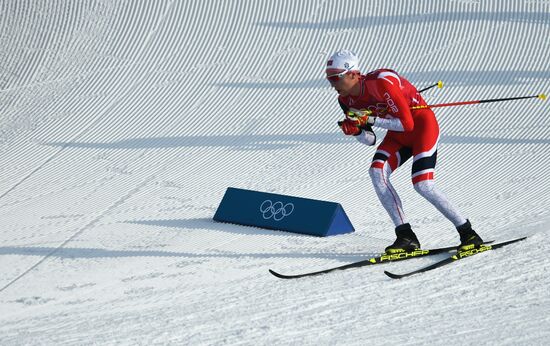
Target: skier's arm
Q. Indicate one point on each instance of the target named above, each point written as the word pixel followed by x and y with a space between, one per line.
pixel 367 137
pixel 389 86
pixel 344 107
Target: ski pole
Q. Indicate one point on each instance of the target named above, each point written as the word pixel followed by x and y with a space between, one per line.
pixel 462 103
pixel 540 96
pixel 439 84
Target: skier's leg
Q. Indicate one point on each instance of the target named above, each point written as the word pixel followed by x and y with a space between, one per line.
pixel 388 157
pixel 428 190
pixel 423 170
pixel 468 237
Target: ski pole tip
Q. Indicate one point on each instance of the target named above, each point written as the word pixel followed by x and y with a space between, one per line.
pixel 542 97
pixel 440 84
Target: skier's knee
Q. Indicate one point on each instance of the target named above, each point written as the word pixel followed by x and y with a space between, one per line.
pixel 375 173
pixel 424 187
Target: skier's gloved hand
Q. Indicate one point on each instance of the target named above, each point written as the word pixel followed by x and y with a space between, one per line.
pixel 350 127
pixel 363 117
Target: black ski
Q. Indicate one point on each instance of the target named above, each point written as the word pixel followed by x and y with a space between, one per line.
pixel 375 260
pixel 454 257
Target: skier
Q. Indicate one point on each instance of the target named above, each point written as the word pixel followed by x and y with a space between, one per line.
pixel 410 133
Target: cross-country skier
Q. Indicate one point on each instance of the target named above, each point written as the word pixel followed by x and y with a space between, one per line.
pixel 411 133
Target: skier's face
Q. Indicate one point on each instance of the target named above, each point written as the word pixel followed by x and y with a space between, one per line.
pixel 342 81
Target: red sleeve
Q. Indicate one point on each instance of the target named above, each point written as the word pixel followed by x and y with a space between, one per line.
pixel 389 87
pixel 344 106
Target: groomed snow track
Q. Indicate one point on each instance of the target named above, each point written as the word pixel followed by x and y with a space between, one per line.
pixel 122 124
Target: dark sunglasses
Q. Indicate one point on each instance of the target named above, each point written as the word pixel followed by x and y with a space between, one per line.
pixel 337 76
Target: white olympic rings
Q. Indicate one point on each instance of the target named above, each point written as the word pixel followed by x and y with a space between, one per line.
pixel 276 210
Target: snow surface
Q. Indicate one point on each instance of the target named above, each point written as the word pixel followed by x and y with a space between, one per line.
pixel 123 123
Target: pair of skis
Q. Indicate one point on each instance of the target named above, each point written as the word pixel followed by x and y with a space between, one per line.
pixel 453 257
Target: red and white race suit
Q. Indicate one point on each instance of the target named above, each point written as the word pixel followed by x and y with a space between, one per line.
pixel 411 133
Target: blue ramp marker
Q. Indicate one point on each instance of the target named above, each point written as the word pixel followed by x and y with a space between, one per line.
pixel 282 212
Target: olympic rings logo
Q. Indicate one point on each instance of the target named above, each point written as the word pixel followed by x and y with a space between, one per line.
pixel 276 210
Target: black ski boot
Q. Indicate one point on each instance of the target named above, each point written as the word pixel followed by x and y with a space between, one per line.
pixel 469 239
pixel 406 240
